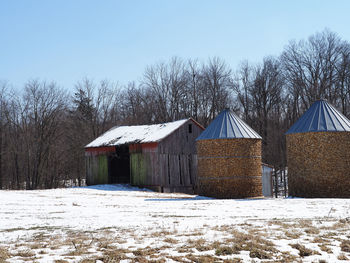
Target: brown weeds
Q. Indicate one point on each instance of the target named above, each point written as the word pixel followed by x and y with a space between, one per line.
pixel 4 254
pixel 345 245
pixel 342 256
pixel 325 248
pixel 304 251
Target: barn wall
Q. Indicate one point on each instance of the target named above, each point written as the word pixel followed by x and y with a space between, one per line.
pixel 178 172
pixel 89 169
pixel 143 168
pixel 177 159
pixel 144 165
pixel 138 169
pixel 319 164
pixel 96 169
pixel 181 141
pixel 102 175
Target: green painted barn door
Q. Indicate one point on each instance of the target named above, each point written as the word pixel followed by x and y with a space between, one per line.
pixel 138 169
pixel 102 174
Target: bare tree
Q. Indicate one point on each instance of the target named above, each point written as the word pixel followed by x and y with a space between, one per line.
pixel 259 91
pixel 194 83
pixel 92 112
pixel 198 97
pixel 34 119
pixel 218 79
pixel 243 82
pixel 3 102
pixel 311 67
pixel 167 82
pixel 156 79
pixel 266 91
pixel 44 106
pixel 343 78
pixel 137 105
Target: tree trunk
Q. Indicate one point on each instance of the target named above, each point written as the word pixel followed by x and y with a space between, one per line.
pixel 17 172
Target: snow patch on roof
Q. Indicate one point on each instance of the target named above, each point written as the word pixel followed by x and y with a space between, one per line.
pixel 136 134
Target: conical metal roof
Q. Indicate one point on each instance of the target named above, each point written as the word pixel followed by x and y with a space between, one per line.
pixel 228 125
pixel 321 116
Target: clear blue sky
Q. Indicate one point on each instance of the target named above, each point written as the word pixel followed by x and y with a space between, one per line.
pixel 67 40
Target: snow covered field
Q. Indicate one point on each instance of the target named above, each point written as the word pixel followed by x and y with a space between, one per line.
pixel 113 223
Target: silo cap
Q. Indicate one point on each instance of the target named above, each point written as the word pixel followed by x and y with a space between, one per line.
pixel 321 117
pixel 228 125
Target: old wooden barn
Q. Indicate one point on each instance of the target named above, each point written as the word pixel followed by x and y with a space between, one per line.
pixel 161 157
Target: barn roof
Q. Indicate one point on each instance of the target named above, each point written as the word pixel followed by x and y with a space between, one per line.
pixel 321 116
pixel 228 125
pixel 136 134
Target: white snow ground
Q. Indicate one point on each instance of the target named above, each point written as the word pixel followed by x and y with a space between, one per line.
pixel 112 223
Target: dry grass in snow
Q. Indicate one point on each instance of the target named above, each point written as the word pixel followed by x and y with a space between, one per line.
pixel 124 224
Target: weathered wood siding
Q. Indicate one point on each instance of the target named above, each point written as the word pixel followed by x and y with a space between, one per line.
pixel 177 170
pixel 96 169
pixel 181 141
pixel 143 166
pixel 177 159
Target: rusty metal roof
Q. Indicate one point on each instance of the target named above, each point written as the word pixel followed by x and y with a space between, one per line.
pixel 228 125
pixel 321 116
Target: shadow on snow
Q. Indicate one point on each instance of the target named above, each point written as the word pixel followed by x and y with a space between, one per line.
pixel 114 187
pixel 129 188
pixel 196 198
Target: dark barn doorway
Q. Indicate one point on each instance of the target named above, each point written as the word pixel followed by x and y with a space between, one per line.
pixel 119 166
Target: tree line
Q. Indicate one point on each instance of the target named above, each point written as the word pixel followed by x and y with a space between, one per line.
pixel 44 128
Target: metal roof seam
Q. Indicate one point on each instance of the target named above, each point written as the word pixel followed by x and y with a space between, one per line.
pixel 228 125
pixel 329 114
pixel 339 116
pixel 345 120
pixel 222 127
pixel 231 126
pixel 312 120
pixel 247 130
pixel 321 116
pixel 217 129
pixel 324 117
pixel 238 127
